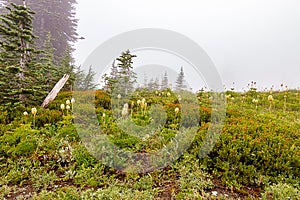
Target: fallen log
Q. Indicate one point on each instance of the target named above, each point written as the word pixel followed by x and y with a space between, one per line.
pixel 52 95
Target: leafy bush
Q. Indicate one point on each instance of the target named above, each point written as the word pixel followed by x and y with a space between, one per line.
pixel 281 191
pixel 47 116
pixel 21 142
pixel 91 176
pixel 252 146
pixel 42 179
pixel 16 171
pixel 102 99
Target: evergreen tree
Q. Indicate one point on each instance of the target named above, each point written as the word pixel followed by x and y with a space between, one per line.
pixel 17 56
pixel 180 82
pixel 145 80
pixel 56 17
pixel 122 78
pixel 85 81
pixel 151 84
pixel 126 76
pixel 88 82
pixel 111 79
pixel 67 67
pixel 50 71
pixel 165 82
pixel 156 84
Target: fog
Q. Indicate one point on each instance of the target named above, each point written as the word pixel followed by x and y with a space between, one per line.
pixel 248 41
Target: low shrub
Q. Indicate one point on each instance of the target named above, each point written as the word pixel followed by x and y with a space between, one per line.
pixel 21 142
pixel 253 146
pixel 281 191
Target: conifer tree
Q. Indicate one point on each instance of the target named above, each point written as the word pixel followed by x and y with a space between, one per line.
pixel 180 82
pixel 85 81
pixel 88 82
pixel 50 71
pixel 145 80
pixel 156 84
pixel 122 78
pixel 67 67
pixel 17 56
pixel 165 81
pixel 56 17
pixel 111 79
pixel 151 84
pixel 126 76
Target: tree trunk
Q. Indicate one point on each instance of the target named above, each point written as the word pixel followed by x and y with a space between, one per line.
pixel 52 95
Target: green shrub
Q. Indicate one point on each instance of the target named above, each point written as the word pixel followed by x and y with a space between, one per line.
pixel 61 98
pixel 91 176
pixel 252 146
pixel 83 158
pixel 16 171
pixel 281 191
pixel 102 99
pixel 42 179
pixel 10 112
pixel 47 116
pixel 21 142
pixel 144 183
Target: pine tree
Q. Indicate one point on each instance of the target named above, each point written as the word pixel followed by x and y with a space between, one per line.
pixel 111 79
pixel 165 82
pixel 151 84
pixel 88 82
pixel 85 81
pixel 56 17
pixel 50 71
pixel 17 56
pixel 156 84
pixel 67 67
pixel 126 77
pixel 122 77
pixel 145 80
pixel 180 82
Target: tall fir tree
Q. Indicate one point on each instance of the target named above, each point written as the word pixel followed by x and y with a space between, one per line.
pixel 156 84
pixel 165 81
pixel 122 77
pixel 150 85
pixel 180 82
pixel 126 75
pixel 50 71
pixel 67 66
pixel 56 17
pixel 145 81
pixel 85 81
pixel 111 79
pixel 88 81
pixel 17 56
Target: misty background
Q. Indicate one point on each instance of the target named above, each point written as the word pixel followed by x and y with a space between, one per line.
pixel 247 40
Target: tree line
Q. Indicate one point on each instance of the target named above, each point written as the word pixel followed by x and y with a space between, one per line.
pixel 122 78
pixel 154 84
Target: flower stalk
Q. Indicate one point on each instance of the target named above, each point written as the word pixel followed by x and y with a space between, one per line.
pixel 34 111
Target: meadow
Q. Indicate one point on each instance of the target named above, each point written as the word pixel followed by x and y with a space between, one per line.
pixel 257 155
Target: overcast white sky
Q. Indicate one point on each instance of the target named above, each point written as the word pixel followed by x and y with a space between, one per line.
pixel 246 39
